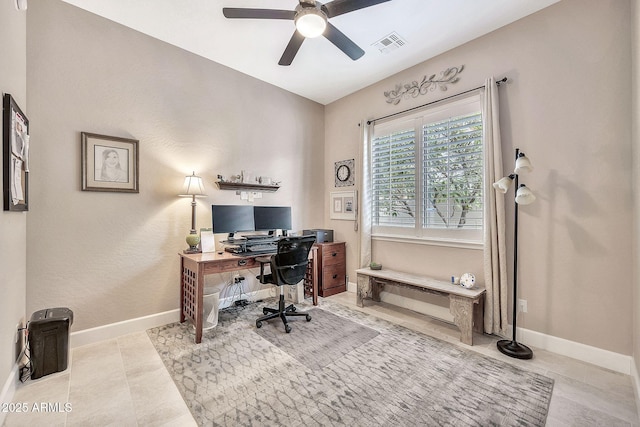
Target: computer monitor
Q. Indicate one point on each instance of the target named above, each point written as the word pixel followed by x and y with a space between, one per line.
pixel 232 218
pixel 272 218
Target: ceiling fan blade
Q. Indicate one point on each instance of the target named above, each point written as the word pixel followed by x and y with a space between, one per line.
pixel 235 12
pixel 340 7
pixel 292 49
pixel 343 42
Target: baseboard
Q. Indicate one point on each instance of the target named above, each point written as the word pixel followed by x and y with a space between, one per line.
pixel 585 353
pixel 9 389
pixel 258 295
pixel 115 330
pixel 636 385
pixel 421 307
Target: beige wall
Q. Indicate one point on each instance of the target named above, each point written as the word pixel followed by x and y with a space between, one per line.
pixel 567 105
pixel 113 256
pixel 13 225
pixel 635 126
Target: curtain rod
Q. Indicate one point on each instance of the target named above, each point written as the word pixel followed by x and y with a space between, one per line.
pixel 503 80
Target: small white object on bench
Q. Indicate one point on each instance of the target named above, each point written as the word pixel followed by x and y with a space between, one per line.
pixel 466 305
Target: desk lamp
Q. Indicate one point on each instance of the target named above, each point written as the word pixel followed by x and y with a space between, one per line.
pixel 193 187
pixel 523 196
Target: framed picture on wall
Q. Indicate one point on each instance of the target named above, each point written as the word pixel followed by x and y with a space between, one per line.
pixel 109 163
pixel 343 205
pixel 15 155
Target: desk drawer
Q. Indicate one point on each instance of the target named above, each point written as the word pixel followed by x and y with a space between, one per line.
pixel 231 264
pixel 333 254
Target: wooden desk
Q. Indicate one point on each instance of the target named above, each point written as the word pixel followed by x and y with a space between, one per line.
pixel 193 268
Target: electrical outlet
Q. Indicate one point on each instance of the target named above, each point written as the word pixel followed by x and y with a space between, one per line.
pixel 17 333
pixel 522 305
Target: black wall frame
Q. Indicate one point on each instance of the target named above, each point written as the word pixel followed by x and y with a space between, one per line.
pixel 15 154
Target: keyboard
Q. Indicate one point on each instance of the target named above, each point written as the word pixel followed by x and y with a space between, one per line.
pixel 261 248
pixel 257 236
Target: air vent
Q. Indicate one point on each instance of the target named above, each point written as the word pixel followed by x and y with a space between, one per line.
pixel 390 43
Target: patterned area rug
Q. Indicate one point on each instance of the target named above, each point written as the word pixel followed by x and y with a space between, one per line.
pixel 391 376
pixel 320 342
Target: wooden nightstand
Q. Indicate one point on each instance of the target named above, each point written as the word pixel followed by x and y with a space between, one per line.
pixel 328 268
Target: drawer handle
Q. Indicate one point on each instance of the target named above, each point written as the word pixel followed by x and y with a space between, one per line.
pixel 335 276
pixel 334 254
pixel 242 262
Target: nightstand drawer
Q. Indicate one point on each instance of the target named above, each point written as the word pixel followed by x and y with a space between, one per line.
pixel 333 254
pixel 333 276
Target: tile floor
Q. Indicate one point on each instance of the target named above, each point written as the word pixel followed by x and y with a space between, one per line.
pixel 123 382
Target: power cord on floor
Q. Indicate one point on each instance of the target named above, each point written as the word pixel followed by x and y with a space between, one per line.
pixel 25 371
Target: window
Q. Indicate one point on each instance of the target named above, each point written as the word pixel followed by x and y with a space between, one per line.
pixel 427 173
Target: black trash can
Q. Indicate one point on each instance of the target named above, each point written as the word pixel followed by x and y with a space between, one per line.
pixel 49 340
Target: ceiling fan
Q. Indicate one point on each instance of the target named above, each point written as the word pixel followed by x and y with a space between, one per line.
pixel 311 20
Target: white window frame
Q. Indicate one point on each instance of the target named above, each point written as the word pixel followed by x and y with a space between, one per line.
pixel 465 238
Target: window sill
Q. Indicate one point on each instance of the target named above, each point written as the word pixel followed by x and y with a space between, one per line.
pixel 452 243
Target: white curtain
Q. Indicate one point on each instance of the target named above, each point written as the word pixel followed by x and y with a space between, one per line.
pixel 365 201
pixel 495 248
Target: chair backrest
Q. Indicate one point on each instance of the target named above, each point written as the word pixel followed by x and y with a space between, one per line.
pixel 289 265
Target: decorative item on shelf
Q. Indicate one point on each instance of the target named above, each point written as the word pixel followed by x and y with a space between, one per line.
pixel 193 187
pixel 467 280
pixel 523 196
pixel 375 266
pixel 344 173
pixel 414 89
pixel 248 186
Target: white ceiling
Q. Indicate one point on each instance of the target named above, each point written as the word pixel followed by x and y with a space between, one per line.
pixel 430 27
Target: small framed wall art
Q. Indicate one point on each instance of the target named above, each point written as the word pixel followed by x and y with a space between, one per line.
pixel 109 163
pixel 15 155
pixel 344 173
pixel 343 205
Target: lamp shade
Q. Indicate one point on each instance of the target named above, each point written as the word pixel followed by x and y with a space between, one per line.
pixel 193 186
pixel 524 196
pixel 503 184
pixel 310 22
pixel 523 164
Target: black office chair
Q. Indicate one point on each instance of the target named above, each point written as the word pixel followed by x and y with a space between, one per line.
pixel 288 267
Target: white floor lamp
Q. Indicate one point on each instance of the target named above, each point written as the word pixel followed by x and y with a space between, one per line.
pixel 523 196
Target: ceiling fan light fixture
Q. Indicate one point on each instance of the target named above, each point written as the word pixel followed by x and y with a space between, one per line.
pixel 310 22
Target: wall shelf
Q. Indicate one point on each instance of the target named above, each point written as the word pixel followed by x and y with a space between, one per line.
pixel 240 186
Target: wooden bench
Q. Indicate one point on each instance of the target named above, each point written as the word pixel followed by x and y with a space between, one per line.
pixel 466 305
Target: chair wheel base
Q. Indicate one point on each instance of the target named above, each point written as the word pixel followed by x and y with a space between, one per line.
pixel 287 328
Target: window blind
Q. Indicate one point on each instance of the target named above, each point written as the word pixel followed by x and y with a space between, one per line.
pixel 427 172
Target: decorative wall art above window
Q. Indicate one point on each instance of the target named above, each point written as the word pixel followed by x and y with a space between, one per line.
pixel 414 89
pixel 344 173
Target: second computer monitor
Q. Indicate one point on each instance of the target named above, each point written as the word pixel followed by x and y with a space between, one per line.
pixel 272 218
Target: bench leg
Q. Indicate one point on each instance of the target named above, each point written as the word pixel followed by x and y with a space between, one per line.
pixel 363 291
pixel 462 310
pixel 478 315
